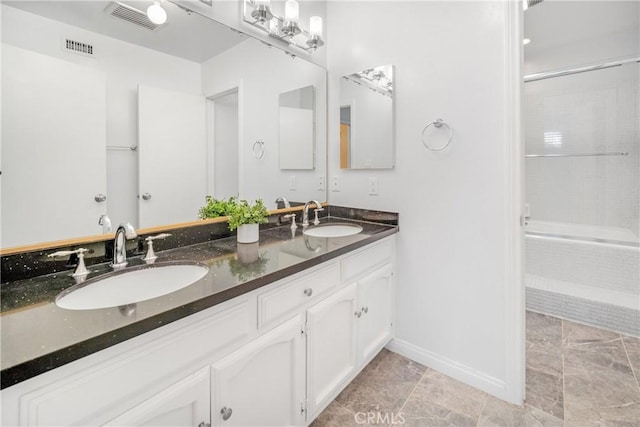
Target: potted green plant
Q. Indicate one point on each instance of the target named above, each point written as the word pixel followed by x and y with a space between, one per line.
pixel 241 215
pixel 215 208
pixel 246 218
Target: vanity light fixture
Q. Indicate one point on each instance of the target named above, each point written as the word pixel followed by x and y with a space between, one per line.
pixel 262 11
pixel 156 13
pixel 291 16
pixel 285 28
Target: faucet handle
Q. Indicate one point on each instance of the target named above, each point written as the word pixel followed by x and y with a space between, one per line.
pixel 151 256
pixel 293 220
pixel 316 221
pixel 158 236
pixel 81 270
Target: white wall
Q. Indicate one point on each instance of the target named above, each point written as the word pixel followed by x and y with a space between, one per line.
pixel 459 303
pixel 125 65
pixel 258 105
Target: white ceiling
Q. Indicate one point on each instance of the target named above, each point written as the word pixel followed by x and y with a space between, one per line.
pixel 188 36
pixel 554 23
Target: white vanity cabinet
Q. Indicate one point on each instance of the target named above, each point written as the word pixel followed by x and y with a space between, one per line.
pixel 331 347
pixel 262 384
pixel 276 356
pixel 187 403
pixel 375 312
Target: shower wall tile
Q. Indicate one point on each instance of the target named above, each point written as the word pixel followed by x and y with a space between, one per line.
pixel 588 264
pixel 607 316
pixel 584 113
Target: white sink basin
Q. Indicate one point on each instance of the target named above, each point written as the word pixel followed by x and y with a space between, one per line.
pixel 333 230
pixel 131 286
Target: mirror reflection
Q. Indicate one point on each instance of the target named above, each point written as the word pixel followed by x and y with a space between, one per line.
pixel 366 119
pixel 139 122
pixel 297 128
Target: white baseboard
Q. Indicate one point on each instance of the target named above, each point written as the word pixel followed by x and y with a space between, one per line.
pixel 450 368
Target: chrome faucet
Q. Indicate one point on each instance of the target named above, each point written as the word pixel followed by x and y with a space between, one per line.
pixel 285 203
pixel 124 232
pixel 305 212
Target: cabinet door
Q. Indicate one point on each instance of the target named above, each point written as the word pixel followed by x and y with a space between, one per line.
pixel 331 347
pixel 262 384
pixel 375 303
pixel 186 403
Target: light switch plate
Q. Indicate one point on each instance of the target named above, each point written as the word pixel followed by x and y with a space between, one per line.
pixel 292 182
pixel 335 184
pixel 373 186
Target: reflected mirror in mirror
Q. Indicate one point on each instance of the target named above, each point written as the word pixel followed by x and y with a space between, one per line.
pixel 367 119
pixel 297 128
pixel 104 116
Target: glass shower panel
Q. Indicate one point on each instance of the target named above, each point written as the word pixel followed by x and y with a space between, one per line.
pixel 581 140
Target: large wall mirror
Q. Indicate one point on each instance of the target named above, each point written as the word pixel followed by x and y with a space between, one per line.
pixel 367 119
pixel 109 116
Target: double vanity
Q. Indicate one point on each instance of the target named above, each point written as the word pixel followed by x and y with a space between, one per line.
pixel 253 335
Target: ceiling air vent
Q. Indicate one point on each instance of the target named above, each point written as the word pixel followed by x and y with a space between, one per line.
pixel 130 14
pixel 75 46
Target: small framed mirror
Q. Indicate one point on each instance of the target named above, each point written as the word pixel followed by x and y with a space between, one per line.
pixel 297 128
pixel 367 119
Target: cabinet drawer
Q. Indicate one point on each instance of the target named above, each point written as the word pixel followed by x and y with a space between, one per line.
pixel 363 262
pixel 285 299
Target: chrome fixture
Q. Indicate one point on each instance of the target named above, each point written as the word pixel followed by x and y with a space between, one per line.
pixel 262 11
pixel 305 213
pixel 293 220
pixel 81 272
pixel 568 71
pixel 285 28
pixel 603 154
pixel 150 257
pixel 124 232
pixel 284 201
pixel 378 79
pixel 105 222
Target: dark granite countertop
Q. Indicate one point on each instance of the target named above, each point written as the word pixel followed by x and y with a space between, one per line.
pixel 38 336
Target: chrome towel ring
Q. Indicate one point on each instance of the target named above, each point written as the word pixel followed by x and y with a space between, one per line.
pixel 258 149
pixel 437 123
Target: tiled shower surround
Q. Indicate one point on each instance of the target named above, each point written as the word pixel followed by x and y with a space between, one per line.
pixel 595 112
pixel 592 112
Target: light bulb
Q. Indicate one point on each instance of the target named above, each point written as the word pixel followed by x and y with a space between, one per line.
pixel 315 26
pixel 291 9
pixel 526 41
pixel 156 13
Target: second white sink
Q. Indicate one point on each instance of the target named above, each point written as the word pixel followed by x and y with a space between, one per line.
pixel 333 230
pixel 131 286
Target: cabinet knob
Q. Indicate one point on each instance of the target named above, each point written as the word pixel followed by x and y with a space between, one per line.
pixel 308 292
pixel 146 196
pixel 365 310
pixel 100 198
pixel 203 424
pixel 226 413
pixel 358 313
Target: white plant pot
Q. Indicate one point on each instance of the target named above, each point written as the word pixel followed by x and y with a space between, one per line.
pixel 248 233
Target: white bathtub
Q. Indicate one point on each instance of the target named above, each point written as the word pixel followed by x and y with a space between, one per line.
pixel 585 273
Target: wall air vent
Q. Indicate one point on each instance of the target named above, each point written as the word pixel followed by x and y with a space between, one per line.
pixel 75 46
pixel 130 14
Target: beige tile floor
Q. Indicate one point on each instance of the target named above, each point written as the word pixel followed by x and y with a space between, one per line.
pixel 577 376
